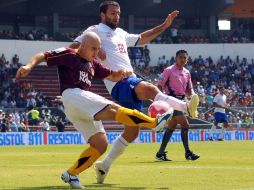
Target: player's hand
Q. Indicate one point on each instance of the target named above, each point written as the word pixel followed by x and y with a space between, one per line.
pixel 168 21
pixel 117 75
pixel 123 73
pixel 226 106
pixel 102 55
pixel 23 71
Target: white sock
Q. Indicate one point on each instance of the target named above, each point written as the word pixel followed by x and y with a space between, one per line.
pixel 222 132
pixel 172 101
pixel 212 130
pixel 117 149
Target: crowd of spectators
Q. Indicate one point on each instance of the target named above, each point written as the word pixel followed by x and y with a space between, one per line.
pixel 19 101
pixel 237 118
pixel 241 34
pixel 207 74
pixel 237 36
pixel 38 35
pixel 18 94
pixel 237 75
pixel 13 121
pixel 23 120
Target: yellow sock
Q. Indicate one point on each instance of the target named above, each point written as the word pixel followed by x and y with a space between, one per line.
pixel 86 159
pixel 134 118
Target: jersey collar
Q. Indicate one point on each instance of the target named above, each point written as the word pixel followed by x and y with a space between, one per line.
pixel 106 27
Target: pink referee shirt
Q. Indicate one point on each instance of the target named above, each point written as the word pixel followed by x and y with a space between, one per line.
pixel 178 80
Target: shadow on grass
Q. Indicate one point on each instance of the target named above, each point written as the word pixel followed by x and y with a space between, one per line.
pixel 89 186
pixel 158 161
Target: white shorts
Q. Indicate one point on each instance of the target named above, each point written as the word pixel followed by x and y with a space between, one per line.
pixel 80 107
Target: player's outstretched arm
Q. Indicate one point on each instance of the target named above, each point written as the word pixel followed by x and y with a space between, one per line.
pixel 149 35
pixel 117 75
pixel 24 71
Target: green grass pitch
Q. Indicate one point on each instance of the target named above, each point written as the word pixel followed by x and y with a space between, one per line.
pixel 227 165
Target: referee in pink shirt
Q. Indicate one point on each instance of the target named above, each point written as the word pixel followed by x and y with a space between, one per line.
pixel 176 81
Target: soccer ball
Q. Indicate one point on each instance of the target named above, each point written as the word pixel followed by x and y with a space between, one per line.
pixel 158 107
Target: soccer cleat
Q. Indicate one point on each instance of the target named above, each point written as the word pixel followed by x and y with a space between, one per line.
pixel 191 156
pixel 220 139
pixel 101 171
pixel 192 106
pixel 210 139
pixel 162 156
pixel 163 120
pixel 73 180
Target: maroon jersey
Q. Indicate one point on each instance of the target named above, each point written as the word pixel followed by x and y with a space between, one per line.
pixel 73 70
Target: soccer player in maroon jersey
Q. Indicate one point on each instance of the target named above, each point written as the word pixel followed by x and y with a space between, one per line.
pixel 84 108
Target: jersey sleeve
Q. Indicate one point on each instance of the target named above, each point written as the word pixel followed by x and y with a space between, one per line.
pixel 58 56
pixel 163 78
pixel 79 38
pixel 189 84
pixel 131 39
pixel 100 70
pixel 215 100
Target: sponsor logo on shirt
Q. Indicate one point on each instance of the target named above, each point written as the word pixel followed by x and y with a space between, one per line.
pixel 83 76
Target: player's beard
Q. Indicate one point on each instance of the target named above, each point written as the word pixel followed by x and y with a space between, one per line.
pixel 111 24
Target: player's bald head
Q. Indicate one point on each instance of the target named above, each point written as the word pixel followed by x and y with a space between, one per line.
pixel 90 38
pixel 89 46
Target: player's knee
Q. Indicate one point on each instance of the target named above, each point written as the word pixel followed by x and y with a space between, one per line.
pixel 146 90
pixel 108 113
pixel 113 107
pixel 99 142
pixel 101 147
pixel 104 148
